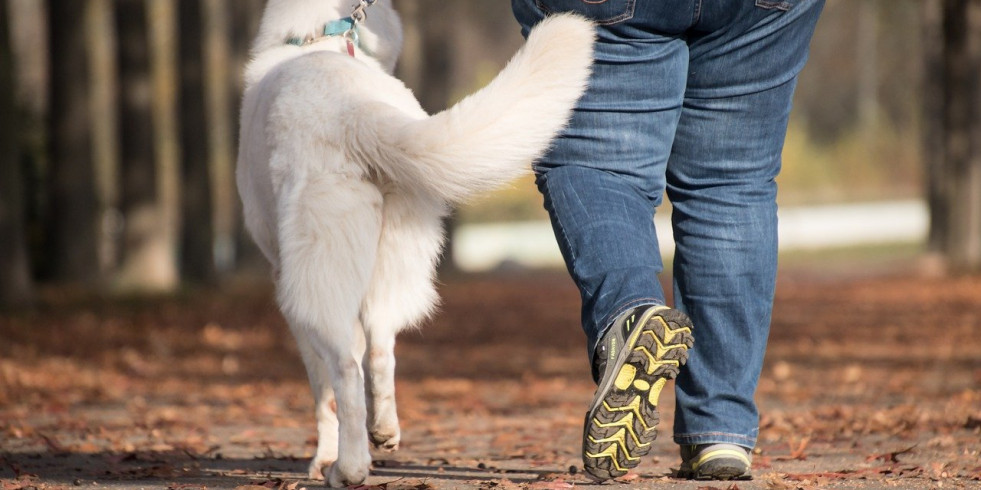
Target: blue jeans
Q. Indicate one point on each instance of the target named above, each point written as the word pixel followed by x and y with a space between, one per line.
pixel 692 98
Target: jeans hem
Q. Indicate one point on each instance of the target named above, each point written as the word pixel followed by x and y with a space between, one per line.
pixel 748 442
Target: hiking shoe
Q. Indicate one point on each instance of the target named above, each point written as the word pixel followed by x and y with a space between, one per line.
pixel 715 462
pixel 643 349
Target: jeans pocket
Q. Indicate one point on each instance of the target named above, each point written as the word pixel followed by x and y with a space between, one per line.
pixel 603 12
pixel 776 4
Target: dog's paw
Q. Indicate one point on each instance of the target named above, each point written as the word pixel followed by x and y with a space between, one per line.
pixel 385 440
pixel 339 478
pixel 325 457
pixel 318 468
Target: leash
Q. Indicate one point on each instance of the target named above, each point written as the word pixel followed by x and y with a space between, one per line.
pixel 346 27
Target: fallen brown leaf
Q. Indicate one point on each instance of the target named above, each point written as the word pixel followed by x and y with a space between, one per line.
pixel 775 482
pixel 890 457
pixel 629 477
pixel 796 451
pixel 275 483
pixel 730 487
pixel 550 485
pixel 833 475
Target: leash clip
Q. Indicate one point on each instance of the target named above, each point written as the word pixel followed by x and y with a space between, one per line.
pixel 359 15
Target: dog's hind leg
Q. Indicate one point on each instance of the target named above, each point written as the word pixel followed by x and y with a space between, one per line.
pixel 326 407
pixel 401 294
pixel 379 370
pixel 328 232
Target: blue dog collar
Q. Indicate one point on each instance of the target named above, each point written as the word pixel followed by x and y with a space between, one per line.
pixel 340 27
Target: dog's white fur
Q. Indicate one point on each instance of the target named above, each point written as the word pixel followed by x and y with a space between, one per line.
pixel 344 181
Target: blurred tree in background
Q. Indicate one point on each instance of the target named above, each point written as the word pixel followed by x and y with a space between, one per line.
pixel 71 217
pixel 149 198
pixel 16 285
pixel 197 234
pixel 118 122
pixel 954 164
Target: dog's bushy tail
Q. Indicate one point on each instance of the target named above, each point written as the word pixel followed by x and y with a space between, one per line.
pixel 492 136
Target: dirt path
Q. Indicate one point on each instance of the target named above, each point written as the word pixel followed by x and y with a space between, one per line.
pixel 869 383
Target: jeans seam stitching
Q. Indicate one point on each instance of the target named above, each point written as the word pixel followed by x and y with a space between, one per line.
pixel 628 13
pixel 773 4
pixel 561 227
pixel 688 437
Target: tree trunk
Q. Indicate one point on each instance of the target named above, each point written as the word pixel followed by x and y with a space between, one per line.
pixel 162 20
pixel 961 189
pixel 868 63
pixel 73 220
pixel 101 43
pixel 427 62
pixel 221 140
pixel 149 252
pixel 197 242
pixel 245 18
pixel 933 125
pixel 16 286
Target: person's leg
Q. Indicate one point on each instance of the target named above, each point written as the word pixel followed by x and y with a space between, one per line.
pixel 601 182
pixel 604 176
pixel 744 62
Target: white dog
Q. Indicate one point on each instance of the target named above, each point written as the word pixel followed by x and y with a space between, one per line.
pixel 345 179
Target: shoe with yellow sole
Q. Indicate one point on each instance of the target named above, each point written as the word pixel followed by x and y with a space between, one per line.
pixel 641 351
pixel 715 462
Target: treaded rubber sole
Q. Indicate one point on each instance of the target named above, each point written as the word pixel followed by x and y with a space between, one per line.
pixel 722 469
pixel 724 474
pixel 622 422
